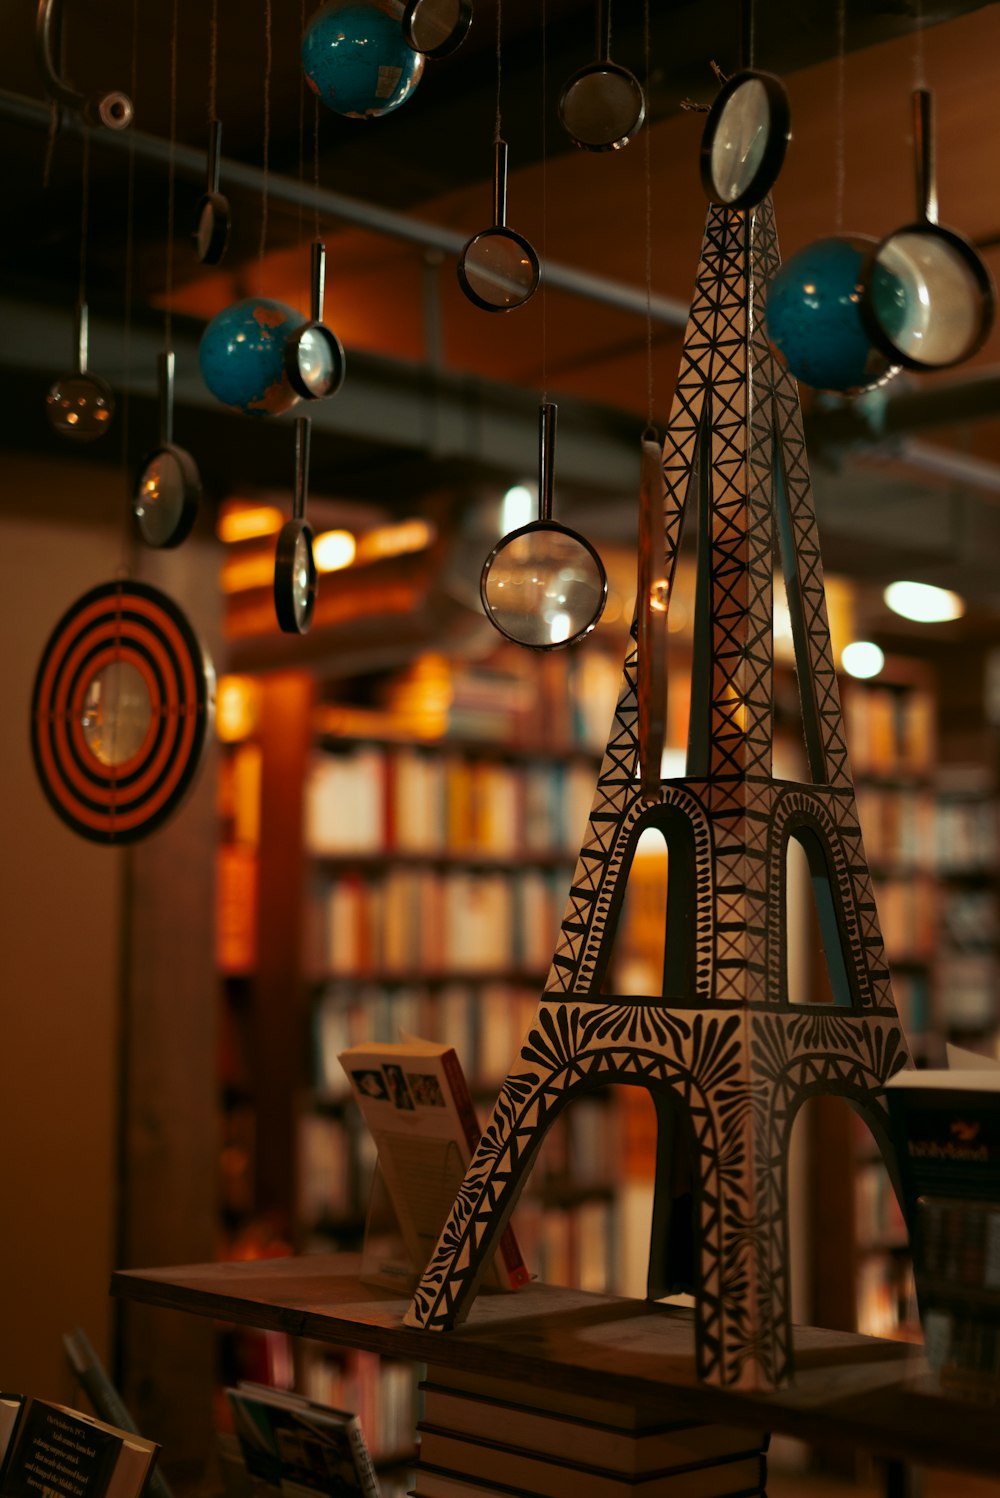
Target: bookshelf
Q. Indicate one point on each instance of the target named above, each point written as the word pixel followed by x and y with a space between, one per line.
pixel 967 836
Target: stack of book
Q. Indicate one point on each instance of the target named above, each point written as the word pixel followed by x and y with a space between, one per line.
pixel 480 1437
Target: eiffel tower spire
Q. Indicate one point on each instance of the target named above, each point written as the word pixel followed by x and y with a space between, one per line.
pixel 727 1057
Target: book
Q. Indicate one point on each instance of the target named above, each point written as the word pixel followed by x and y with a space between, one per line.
pixel 446 1459
pixel 416 1102
pixel 58 1452
pixel 105 1398
pixel 11 1406
pixel 629 1453
pixel 946 1127
pixel 294 1444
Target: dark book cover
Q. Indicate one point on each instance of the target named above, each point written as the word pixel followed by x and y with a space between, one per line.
pixel 57 1453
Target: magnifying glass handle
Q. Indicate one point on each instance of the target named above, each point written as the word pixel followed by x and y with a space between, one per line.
pixel 318 279
pixel 546 458
pixel 303 429
pixel 604 30
pixel 214 154
pixel 165 368
pixel 81 336
pixel 500 187
pixel 746 34
pixel 923 144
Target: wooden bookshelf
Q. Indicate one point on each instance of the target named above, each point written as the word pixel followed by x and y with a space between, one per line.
pixel 849 1390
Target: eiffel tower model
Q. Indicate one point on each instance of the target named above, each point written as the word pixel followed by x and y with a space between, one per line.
pixel 727 1053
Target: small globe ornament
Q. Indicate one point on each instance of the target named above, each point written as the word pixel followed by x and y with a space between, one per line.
pixel 813 316
pixel 242 356
pixel 356 58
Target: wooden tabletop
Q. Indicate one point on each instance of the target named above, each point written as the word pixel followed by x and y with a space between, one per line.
pixel 861 1391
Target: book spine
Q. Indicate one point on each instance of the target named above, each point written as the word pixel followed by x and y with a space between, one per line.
pixel 362 1460
pixel 517 1270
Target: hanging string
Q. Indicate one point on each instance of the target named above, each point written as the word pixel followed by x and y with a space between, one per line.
pixel 267 140
pixel 496 127
pixel 213 63
pixel 647 168
pixel 316 166
pixel 169 282
pixel 302 129
pixel 545 211
pixel 840 164
pixel 129 542
pixel 919 69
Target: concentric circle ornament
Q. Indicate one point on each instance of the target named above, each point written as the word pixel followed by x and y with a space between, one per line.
pixel 123 702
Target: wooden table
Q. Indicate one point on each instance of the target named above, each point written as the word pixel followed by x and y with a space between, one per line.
pixel 859 1391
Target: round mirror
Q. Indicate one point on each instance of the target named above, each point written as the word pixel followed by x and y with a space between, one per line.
pixel 544 586
pixel 80 406
pixel 602 107
pixel 316 362
pixel 436 27
pixel 927 298
pixel 117 713
pixel 165 499
pixel 295 578
pixel 745 137
pixel 498 270
pixel 211 230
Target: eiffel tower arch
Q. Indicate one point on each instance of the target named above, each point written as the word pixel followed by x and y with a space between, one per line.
pixel 727 1055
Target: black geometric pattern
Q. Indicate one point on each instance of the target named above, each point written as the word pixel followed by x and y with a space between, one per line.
pixel 724 1050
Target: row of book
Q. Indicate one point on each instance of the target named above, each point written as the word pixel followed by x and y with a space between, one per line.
pixel 484 1437
pixel 968 986
pixel 385 799
pixel 428 920
pixel 908 913
pixel 382 1392
pixel 890 730
pixel 968 834
pixel 484 1022
pixel 898 823
pixel 878 1217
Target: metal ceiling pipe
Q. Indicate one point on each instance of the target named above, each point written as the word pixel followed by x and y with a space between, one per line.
pixel 666 311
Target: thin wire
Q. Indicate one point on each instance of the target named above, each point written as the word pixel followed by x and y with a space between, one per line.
pixel 84 212
pixel 496 126
pixel 647 166
pixel 129 540
pixel 545 210
pixel 267 140
pixel 840 164
pixel 302 126
pixel 169 284
pixel 213 63
pixel 919 68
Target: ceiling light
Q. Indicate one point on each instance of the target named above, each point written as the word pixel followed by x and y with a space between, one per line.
pixel 518 507
pixel 862 658
pixel 333 550
pixel 923 602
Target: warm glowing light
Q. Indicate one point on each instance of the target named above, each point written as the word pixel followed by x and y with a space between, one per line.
pixel 237 704
pixel 518 507
pixel 862 658
pixel 394 540
pixel 241 573
pixel 333 550
pixel 240 522
pixel 924 602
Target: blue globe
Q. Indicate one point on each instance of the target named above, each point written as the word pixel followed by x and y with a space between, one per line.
pixel 813 316
pixel 357 60
pixel 242 356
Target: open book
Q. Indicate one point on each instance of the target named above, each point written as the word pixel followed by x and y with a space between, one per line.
pixel 415 1100
pixel 57 1452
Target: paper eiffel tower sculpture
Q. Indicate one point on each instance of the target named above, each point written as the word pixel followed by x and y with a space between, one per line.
pixel 726 1053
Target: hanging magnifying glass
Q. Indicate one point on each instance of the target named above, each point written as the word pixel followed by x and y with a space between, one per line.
pixel 295 576
pixel 314 356
pixel 651 622
pixel 498 269
pixel 744 141
pixel 544 585
pixel 602 106
pixel 80 405
pixel 113 110
pixel 168 485
pixel 927 299
pixel 436 27
pixel 210 234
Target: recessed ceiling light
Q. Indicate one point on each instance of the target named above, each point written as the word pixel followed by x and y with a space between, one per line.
pixel 862 658
pixel 923 602
pixel 333 550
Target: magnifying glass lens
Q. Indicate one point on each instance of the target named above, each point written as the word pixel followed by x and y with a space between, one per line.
pixel 436 25
pixel 159 499
pixel 602 108
pixel 544 587
pixel 80 406
pixel 740 140
pixel 499 270
pixel 926 298
pixel 116 713
pixel 318 366
pixel 204 233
